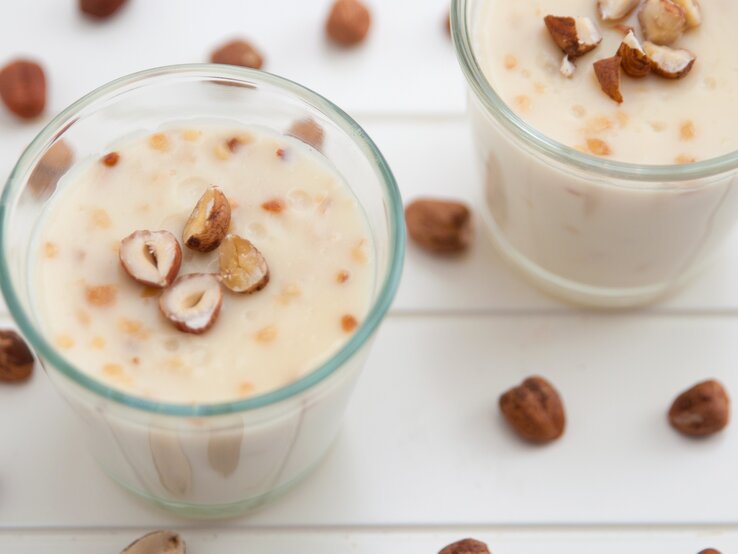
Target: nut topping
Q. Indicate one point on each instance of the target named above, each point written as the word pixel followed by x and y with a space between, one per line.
pixel 439 226
pixel 670 63
pixel 23 88
pixel 534 410
pixel 16 359
pixel 612 10
pixel 110 159
pixel 152 258
pixel 208 223
pixel 662 21
pixel 607 71
pixel 692 12
pixel 242 267
pixel 574 35
pixel 466 546
pixel 156 542
pixel 567 67
pixel 702 410
pixel 633 59
pixel 193 302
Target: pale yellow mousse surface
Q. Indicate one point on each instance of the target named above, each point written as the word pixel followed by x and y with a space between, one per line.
pixel 660 121
pixel 318 249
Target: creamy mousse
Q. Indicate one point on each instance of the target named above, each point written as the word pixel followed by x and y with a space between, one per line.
pixel 660 120
pixel 203 264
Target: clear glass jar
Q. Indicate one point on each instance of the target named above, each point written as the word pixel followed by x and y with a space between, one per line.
pixel 218 459
pixel 587 229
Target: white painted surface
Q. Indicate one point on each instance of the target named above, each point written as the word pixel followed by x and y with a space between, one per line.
pixel 424 458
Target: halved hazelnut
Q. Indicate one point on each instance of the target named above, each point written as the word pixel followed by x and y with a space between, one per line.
pixel 662 21
pixel 670 63
pixel 607 71
pixel 692 12
pixel 151 257
pixel 633 59
pixel 156 542
pixel 192 303
pixel 208 223
pixel 574 35
pixel 612 10
pixel 567 67
pixel 242 267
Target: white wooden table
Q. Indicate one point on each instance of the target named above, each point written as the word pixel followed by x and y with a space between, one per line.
pixel 424 458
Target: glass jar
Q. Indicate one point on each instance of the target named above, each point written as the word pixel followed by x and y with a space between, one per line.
pixel 204 460
pixel 584 228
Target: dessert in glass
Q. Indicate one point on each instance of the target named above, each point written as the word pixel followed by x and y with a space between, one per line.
pixel 201 255
pixel 606 138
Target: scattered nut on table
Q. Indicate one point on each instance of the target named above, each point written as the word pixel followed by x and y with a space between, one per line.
pixel 50 168
pixel 466 546
pixel 23 88
pixel 157 542
pixel 701 410
pixel 348 22
pixel 534 410
pixel 439 226
pixel 100 9
pixel 308 131
pixel 16 359
pixel 238 52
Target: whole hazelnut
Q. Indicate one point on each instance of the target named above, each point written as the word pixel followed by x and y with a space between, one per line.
pixel 238 52
pixel 348 22
pixel 534 410
pixel 16 359
pixel 466 546
pixel 23 88
pixel 701 410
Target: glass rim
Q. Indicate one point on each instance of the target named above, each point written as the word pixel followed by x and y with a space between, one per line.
pixel 462 33
pixel 353 132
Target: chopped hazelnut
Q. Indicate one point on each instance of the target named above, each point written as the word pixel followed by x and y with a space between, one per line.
pixel 348 323
pixel 686 131
pixel 510 61
pixel 111 159
pixel 275 206
pixel 662 21
pixel 159 141
pixel 574 35
pixel 266 334
pixel 607 71
pixel 598 147
pixel 101 295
